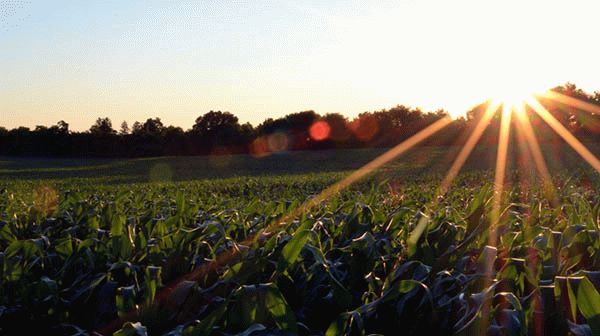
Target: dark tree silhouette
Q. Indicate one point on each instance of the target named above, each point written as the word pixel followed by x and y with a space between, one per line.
pixel 63 127
pixel 338 126
pixel 219 129
pixel 215 121
pixel 221 132
pixel 124 128
pixel 102 126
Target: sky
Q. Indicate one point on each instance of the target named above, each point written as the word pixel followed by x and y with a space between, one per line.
pixel 132 60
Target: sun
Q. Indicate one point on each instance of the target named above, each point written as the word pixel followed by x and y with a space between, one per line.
pixel 513 98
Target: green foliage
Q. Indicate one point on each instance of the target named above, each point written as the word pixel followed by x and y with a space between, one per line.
pixel 588 301
pixel 222 257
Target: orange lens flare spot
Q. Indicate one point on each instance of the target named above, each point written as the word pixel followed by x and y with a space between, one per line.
pixel 365 128
pixel 319 131
pixel 278 142
pixel 259 147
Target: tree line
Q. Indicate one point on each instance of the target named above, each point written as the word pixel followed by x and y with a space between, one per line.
pixel 218 132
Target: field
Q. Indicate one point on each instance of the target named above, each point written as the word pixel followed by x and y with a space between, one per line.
pixel 223 245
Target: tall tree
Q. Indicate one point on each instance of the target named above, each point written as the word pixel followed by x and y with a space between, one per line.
pixel 102 126
pixel 124 128
pixel 153 127
pixel 214 122
pixel 217 129
pixel 338 125
pixel 63 127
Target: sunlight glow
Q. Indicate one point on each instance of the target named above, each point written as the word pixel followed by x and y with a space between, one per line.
pixel 500 173
pixel 455 168
pixel 561 98
pixel 532 143
pixel 495 214
pixel 511 103
pixel 565 134
pixel 468 147
pixel 513 97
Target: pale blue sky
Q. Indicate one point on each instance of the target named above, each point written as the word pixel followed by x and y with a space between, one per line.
pixel 131 60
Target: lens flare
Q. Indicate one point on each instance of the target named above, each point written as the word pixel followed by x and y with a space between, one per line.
pixel 364 128
pixel 278 142
pixel 319 131
pixel 512 102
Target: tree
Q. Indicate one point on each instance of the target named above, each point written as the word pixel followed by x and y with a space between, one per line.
pixel 20 131
pixel 270 125
pixel 218 129
pixel 214 122
pixel 338 124
pixel 40 129
pixel 102 127
pixel 153 127
pixel 221 132
pixel 63 127
pixel 398 116
pixel 136 127
pixel 124 128
pixel 174 141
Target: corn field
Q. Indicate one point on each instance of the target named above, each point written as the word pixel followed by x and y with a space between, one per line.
pixel 224 257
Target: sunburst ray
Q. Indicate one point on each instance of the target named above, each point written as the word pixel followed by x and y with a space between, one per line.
pixel 500 172
pixel 568 100
pixel 532 143
pixel 564 133
pixel 232 254
pixel 458 163
pixel 468 147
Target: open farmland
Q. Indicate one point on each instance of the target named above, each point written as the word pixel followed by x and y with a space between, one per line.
pixel 258 168
pixel 206 245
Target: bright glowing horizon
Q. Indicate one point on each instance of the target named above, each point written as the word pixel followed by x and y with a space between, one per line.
pixel 132 60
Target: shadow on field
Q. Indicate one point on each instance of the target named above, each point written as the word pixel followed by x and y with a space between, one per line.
pixel 425 159
pixel 185 168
